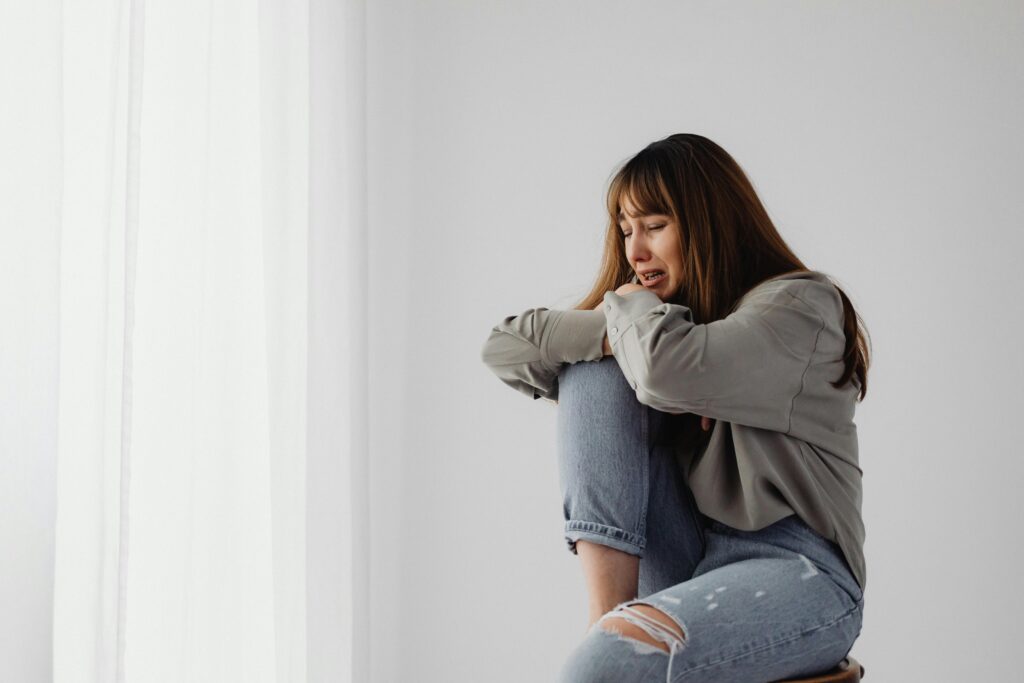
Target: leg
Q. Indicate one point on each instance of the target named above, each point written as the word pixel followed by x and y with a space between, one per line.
pixel 641 621
pixel 611 576
pixel 753 611
pixel 624 498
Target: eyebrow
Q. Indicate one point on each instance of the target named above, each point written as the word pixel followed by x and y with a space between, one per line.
pixel 622 216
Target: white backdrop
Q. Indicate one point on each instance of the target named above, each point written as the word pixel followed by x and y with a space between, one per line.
pixel 883 139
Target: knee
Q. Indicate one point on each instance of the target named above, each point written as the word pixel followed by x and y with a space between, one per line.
pixel 646 624
pixel 591 383
pixel 613 645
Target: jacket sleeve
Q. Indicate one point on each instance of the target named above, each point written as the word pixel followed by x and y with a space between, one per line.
pixel 746 368
pixel 527 350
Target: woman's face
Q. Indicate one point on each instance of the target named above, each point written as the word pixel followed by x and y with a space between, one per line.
pixel 652 244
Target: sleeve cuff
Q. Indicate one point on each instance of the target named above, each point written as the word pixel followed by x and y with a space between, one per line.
pixel 577 335
pixel 621 311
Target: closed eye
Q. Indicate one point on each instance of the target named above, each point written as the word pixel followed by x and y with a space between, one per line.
pixel 653 227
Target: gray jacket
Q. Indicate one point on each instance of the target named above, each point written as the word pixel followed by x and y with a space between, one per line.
pixel 784 440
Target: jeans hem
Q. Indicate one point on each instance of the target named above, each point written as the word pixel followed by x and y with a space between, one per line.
pixel 610 536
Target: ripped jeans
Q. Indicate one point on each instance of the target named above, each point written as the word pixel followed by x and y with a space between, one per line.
pixel 764 605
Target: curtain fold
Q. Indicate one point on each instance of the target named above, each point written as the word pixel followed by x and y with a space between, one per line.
pixel 186 359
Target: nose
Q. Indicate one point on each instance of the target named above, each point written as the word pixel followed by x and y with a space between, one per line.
pixel 637 248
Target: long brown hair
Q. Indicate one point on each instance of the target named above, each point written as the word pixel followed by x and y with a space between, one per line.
pixel 729 243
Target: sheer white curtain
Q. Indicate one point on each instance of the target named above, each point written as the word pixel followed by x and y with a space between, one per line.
pixel 210 342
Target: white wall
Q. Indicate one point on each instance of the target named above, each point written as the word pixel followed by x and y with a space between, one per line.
pixel 884 139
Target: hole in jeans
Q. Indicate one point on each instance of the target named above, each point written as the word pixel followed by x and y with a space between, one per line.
pixel 646 624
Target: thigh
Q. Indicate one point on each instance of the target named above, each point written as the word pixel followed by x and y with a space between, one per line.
pixel 768 616
pixel 760 619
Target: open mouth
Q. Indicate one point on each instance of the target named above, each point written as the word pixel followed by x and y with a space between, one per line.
pixel 652 279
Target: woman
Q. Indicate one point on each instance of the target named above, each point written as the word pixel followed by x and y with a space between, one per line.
pixel 707 449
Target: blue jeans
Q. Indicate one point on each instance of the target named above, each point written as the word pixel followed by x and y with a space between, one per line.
pixel 776 603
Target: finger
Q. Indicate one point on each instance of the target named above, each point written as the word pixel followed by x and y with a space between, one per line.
pixel 705 423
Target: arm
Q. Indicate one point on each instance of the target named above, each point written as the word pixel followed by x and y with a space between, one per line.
pixel 526 351
pixel 745 368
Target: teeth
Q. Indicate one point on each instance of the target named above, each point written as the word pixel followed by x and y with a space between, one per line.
pixel 653 275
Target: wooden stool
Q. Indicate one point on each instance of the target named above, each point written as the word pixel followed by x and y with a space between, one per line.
pixel 847 671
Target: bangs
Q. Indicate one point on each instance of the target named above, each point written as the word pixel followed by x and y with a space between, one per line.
pixel 644 188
